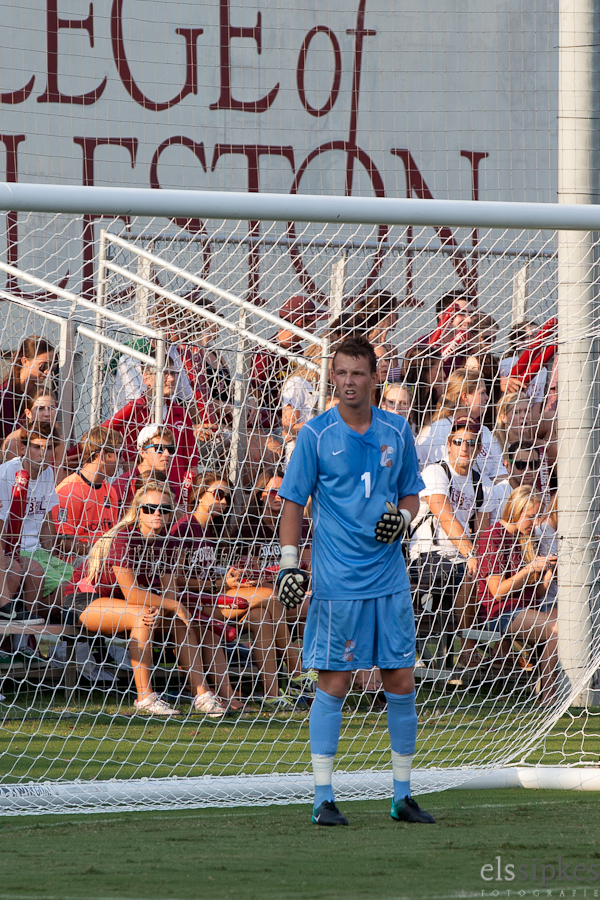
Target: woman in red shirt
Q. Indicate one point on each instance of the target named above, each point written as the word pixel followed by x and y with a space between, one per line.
pixel 514 580
pixel 131 583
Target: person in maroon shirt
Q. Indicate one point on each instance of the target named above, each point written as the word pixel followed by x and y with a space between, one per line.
pixel 129 584
pixel 261 614
pixel 139 413
pixel 514 580
pixel 33 364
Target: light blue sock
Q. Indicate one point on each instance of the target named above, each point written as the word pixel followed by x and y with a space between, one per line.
pixel 324 729
pixel 402 726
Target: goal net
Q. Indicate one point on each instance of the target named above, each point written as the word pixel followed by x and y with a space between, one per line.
pixel 234 327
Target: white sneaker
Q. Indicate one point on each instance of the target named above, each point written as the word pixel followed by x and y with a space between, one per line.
pixel 209 705
pixel 154 706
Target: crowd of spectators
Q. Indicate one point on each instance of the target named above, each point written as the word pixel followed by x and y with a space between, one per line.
pixel 157 533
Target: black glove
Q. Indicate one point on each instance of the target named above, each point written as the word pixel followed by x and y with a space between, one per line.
pixel 291 587
pixel 393 524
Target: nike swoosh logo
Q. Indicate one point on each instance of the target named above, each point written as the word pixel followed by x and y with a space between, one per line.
pixel 336 452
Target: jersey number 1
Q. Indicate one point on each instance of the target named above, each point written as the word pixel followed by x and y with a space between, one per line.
pixel 366 477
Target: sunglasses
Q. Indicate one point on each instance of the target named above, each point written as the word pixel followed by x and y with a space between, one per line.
pixel 270 493
pixel 458 442
pixel 151 508
pixel 219 494
pixel 161 448
pixel 522 464
pixel 45 367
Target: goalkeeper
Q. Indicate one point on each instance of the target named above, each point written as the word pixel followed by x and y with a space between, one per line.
pixel 359 465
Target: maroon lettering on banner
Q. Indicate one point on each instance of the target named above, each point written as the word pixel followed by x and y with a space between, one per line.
pixel 53 25
pixel 337 74
pixel 253 153
pixel 376 180
pixel 474 157
pixel 415 183
pixel 14 97
pixel 353 154
pixel 88 146
pixel 227 32
pixel 194 226
pixel 190 86
pixel 360 33
pixel 11 142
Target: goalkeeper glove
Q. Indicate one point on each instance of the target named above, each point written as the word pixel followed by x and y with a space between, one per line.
pixel 393 524
pixel 291 581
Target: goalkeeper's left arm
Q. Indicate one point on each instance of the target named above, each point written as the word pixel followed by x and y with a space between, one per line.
pixel 395 519
pixel 292 582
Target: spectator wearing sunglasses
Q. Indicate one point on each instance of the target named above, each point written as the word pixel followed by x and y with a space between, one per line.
pixel 137 414
pixel 455 504
pixel 261 533
pixel 129 583
pixel 156 450
pixel 33 364
pixel 517 423
pixel 260 614
pixel 522 462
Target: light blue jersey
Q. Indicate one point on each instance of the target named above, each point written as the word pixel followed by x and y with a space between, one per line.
pixel 349 477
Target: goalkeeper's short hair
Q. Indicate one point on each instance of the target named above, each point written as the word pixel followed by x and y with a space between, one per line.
pixel 357 347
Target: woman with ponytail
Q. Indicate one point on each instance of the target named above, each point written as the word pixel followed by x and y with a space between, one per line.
pixel 464 396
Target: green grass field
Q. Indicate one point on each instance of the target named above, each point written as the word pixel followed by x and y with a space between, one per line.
pixel 83 743
pixel 275 854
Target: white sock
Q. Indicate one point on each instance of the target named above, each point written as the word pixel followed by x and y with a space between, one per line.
pixel 322 768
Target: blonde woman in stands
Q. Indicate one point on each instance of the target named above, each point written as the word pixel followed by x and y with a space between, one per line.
pixel 129 584
pixel 515 580
pixel 465 396
pixel 399 399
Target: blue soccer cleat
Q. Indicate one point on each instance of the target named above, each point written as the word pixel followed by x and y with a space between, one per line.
pixel 408 810
pixel 328 814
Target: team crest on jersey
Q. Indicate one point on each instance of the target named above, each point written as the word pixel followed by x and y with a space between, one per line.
pixel 386 456
pixel 348 655
pixel 62 515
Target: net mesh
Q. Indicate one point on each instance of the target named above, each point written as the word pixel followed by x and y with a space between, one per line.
pixel 238 405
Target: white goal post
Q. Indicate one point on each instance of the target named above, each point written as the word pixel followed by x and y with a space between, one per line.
pixel 537 258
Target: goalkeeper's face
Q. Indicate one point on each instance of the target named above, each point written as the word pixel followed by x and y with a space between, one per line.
pixel 353 380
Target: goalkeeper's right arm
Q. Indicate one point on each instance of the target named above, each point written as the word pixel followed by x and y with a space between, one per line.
pixel 291 581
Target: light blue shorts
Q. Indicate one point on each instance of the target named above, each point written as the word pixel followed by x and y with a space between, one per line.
pixel 344 635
